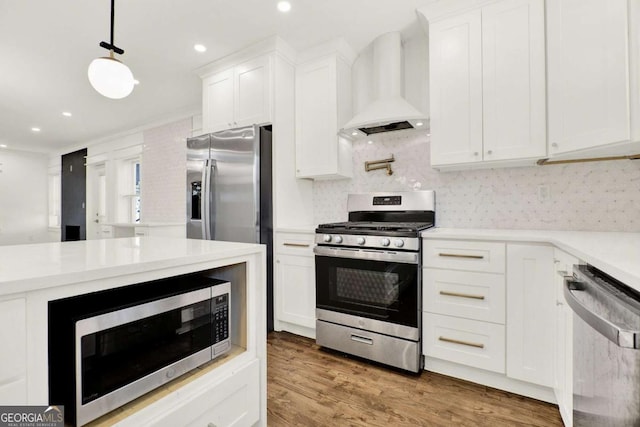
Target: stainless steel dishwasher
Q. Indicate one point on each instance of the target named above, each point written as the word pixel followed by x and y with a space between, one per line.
pixel 606 359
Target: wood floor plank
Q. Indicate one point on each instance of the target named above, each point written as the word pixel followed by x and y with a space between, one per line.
pixel 308 386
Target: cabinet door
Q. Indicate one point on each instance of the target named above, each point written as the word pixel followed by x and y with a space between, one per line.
pixel 316 118
pixel 13 369
pixel 513 63
pixel 588 73
pixel 217 108
pixel 238 401
pixel 296 291
pixel 456 89
pixel 252 92
pixel 530 313
pixel 563 376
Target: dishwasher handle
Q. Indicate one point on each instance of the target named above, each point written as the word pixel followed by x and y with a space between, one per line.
pixel 620 336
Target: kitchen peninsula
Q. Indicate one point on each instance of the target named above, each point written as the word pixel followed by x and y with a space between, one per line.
pixel 232 387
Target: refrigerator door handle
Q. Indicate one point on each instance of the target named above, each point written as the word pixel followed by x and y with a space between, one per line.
pixel 204 204
pixel 211 201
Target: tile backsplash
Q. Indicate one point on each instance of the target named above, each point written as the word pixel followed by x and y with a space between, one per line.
pixel 598 196
pixel 163 172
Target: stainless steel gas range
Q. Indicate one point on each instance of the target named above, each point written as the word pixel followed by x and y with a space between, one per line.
pixel 368 278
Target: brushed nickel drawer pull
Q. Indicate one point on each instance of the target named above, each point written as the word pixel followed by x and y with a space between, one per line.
pixel 297 245
pixel 461 256
pixel 458 294
pixel 470 344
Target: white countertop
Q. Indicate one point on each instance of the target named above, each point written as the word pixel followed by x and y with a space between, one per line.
pixel 617 254
pixel 37 266
pixel 142 224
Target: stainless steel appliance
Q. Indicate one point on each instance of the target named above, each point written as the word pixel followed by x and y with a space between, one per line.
pixel 368 278
pixel 229 191
pixel 606 343
pixel 110 347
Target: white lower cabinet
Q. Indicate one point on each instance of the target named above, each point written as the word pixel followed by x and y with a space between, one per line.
pixel 530 313
pixel 294 283
pixel 463 303
pixel 563 357
pixel 490 316
pixel 471 295
pixel 468 342
pixel 234 402
pixel 13 335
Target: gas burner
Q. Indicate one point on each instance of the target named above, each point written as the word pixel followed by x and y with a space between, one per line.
pixel 381 221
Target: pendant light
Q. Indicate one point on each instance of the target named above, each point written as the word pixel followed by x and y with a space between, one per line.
pixel 109 76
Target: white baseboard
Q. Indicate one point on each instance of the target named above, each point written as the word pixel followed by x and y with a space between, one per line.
pixel 491 379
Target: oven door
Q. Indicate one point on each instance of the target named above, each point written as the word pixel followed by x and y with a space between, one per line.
pixel 369 284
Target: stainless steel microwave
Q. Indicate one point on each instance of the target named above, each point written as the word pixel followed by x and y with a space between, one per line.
pixel 141 340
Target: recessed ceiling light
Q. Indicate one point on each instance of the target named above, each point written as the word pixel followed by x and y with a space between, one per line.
pixel 66 114
pixel 419 124
pixel 136 82
pixel 284 6
pixel 200 48
pixel 370 142
pixel 35 129
pixel 3 145
pixel 354 133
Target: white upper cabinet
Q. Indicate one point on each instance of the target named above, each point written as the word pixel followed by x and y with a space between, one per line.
pixel 323 105
pixel 513 77
pixel 455 70
pixel 252 85
pixel 238 96
pixel 487 68
pixel 217 100
pixel 592 49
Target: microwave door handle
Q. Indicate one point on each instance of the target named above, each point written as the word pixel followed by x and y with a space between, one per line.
pixel 620 336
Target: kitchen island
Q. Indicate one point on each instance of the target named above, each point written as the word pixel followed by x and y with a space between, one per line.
pixel 234 388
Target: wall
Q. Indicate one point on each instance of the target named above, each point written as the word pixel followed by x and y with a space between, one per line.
pixel 163 172
pixel 600 196
pixel 23 197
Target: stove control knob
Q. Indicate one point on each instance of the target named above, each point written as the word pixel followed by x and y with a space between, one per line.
pixel 338 239
pixel 385 242
pixel 326 238
pixel 361 240
pixel 398 243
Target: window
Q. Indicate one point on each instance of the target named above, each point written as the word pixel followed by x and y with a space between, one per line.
pixel 129 203
pixel 135 200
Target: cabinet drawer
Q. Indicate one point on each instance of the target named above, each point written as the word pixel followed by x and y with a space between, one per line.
pixel 476 296
pixel 487 257
pixel 468 342
pixel 295 243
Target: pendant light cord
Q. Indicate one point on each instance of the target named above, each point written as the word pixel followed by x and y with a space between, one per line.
pixel 111 46
pixel 113 2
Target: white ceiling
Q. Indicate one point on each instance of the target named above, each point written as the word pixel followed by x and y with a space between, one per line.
pixel 47 45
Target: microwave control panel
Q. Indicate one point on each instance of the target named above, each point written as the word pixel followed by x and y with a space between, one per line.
pixel 220 307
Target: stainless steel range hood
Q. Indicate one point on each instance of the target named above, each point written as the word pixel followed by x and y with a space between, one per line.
pixel 389 111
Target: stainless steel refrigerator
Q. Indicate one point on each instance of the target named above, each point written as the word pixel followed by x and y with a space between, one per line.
pixel 229 191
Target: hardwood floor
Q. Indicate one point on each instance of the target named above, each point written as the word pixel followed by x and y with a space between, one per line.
pixel 307 386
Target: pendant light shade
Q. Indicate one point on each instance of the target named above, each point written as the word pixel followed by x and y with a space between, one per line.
pixel 110 77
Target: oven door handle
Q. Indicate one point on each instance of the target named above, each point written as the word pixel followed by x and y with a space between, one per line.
pixel 401 257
